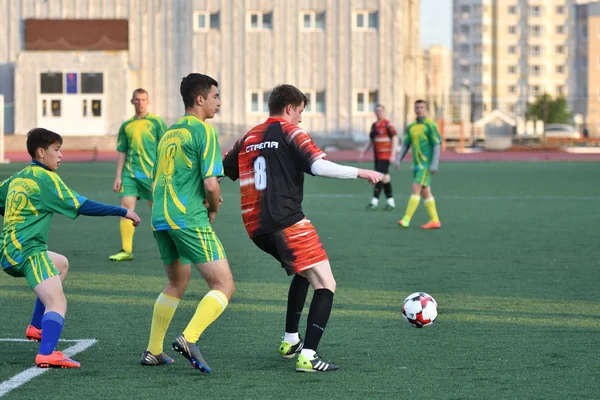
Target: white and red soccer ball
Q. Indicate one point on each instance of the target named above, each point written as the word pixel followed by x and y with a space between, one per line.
pixel 419 310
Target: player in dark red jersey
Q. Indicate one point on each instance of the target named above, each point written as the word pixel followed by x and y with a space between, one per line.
pixel 270 161
pixel 384 140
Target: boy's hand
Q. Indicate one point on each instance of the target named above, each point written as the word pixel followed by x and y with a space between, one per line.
pixel 132 216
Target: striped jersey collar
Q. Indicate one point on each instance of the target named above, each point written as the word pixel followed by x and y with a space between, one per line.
pixel 39 164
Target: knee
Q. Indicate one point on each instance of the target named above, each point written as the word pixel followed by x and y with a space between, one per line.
pixel 386 179
pixel 62 265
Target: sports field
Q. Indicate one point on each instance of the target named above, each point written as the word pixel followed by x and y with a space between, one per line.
pixel 515 270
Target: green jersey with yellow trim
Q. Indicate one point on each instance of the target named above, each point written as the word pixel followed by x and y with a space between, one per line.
pixel 188 153
pixel 138 138
pixel 422 135
pixel 30 198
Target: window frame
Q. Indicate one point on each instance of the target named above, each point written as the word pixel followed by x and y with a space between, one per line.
pixel 366 93
pixel 265 106
pixel 313 18
pixel 260 20
pixel 366 17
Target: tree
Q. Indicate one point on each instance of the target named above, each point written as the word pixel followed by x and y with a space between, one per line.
pixel 548 110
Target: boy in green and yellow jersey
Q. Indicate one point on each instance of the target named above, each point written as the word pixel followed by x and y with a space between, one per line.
pixel 28 200
pixel 187 199
pixel 425 140
pixel 136 144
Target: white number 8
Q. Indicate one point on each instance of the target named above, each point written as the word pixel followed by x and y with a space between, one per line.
pixel 260 173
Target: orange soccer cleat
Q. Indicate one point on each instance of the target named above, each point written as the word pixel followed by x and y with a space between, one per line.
pixel 432 225
pixel 55 360
pixel 33 333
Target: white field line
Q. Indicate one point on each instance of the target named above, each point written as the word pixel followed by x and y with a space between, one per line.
pixel 451 197
pixel 27 375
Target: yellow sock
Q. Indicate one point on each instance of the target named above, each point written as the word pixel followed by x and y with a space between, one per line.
pixel 164 309
pixel 431 210
pixel 211 306
pixel 127 231
pixel 413 203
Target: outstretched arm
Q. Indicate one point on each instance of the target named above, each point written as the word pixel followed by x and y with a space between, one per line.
pixel 95 209
pixel 435 161
pixel 329 169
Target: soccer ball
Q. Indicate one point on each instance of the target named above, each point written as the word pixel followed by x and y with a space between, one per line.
pixel 419 310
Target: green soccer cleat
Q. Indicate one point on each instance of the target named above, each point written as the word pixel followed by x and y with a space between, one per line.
pixel 315 365
pixel 288 350
pixel 389 208
pixel 122 255
pixel 404 223
pixel 192 353
pixel 371 207
pixel 150 359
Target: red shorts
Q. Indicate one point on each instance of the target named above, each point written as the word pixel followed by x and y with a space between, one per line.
pixel 296 247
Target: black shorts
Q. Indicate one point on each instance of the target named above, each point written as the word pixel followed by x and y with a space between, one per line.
pixel 382 166
pixel 296 247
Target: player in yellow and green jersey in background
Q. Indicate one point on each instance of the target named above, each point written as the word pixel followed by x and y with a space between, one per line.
pixel 425 140
pixel 187 195
pixel 136 144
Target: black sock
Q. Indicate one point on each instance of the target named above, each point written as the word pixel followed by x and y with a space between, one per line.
pixel 377 190
pixel 296 299
pixel 387 188
pixel 320 308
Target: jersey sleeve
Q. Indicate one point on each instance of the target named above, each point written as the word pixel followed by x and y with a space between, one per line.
pixel 59 198
pixel 3 191
pixel 391 130
pixel 209 154
pixel 433 134
pixel 406 141
pixel 303 147
pixel 230 162
pixel 122 144
pixel 373 132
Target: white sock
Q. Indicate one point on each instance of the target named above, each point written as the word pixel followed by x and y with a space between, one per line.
pixel 391 202
pixel 375 201
pixel 291 338
pixel 308 353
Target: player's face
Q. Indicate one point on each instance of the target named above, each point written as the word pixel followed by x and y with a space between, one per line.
pixel 379 112
pixel 140 101
pixel 51 156
pixel 421 110
pixel 296 114
pixel 212 102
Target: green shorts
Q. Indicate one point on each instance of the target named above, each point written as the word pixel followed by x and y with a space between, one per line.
pixel 422 177
pixel 36 269
pixel 136 187
pixel 191 245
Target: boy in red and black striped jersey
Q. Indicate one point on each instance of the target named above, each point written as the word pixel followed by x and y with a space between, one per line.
pixel 384 140
pixel 270 161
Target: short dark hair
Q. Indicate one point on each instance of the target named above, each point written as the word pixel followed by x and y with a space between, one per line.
pixel 40 137
pixel 422 101
pixel 195 85
pixel 139 90
pixel 380 105
pixel 282 95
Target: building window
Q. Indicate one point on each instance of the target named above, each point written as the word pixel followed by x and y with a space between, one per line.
pixel 365 20
pixel 316 102
pixel 560 49
pixel 512 10
pixel 365 101
pixel 534 90
pixel 478 68
pixel 478 49
pixel 512 89
pixel 465 29
pixel 512 49
pixel 51 82
pixel 464 48
pixel 464 69
pixel 536 30
pixel 512 30
pixel 477 29
pixel 512 108
pixel 92 82
pixel 312 20
pixel 536 51
pixel 560 90
pixel 464 10
pixel 536 11
pixel 560 9
pixel 560 69
pixel 258 20
pixel 259 102
pixel 205 20
pixel 477 9
pixel 512 69
pixel 537 70
pixel 560 30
